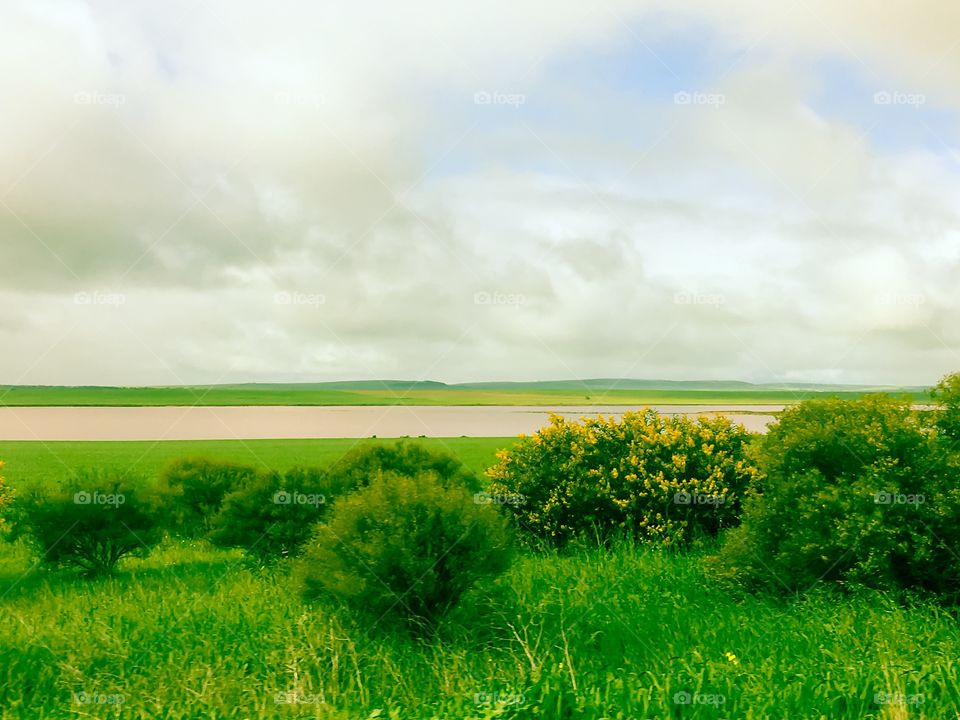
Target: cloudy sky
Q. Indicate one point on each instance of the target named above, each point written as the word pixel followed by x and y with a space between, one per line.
pixel 229 190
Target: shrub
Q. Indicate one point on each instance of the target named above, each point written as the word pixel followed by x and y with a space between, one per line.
pixel 190 492
pixel 90 522
pixel 855 492
pixel 648 477
pixel 947 395
pixel 362 464
pixel 272 516
pixel 406 547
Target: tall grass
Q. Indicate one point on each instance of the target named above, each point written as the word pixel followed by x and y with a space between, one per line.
pixel 192 632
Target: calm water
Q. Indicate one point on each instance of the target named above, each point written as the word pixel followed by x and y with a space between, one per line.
pixel 251 423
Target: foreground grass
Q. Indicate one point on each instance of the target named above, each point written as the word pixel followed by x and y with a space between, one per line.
pixel 29 462
pixel 194 633
pixel 227 395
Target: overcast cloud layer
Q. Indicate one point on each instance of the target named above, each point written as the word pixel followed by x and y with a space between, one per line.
pixel 714 189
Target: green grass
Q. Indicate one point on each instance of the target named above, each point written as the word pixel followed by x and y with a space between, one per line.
pixel 193 633
pixel 423 394
pixel 33 461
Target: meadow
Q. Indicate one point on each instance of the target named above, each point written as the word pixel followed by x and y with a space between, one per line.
pixel 192 632
pixel 619 632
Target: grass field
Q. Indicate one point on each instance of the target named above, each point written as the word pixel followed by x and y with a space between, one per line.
pixel 195 633
pixel 34 461
pixel 433 394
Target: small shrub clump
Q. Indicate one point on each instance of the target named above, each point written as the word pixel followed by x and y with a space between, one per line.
pixel 361 465
pixel 406 547
pixel 856 493
pixel 272 516
pixel 90 522
pixel 6 496
pixel 647 477
pixel 190 492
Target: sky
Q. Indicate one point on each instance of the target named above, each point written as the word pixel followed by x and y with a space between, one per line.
pixel 233 191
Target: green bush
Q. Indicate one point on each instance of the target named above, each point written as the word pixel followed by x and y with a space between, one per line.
pixel 859 493
pixel 90 522
pixel 190 493
pixel 648 477
pixel 406 547
pixel 947 395
pixel 272 516
pixel 362 464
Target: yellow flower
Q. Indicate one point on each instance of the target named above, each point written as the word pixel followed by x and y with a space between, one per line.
pixel 731 657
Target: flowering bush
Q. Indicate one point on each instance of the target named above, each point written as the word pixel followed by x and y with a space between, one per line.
pixel 651 477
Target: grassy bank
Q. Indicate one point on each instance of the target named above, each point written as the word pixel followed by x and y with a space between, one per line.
pixel 35 461
pixel 194 633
